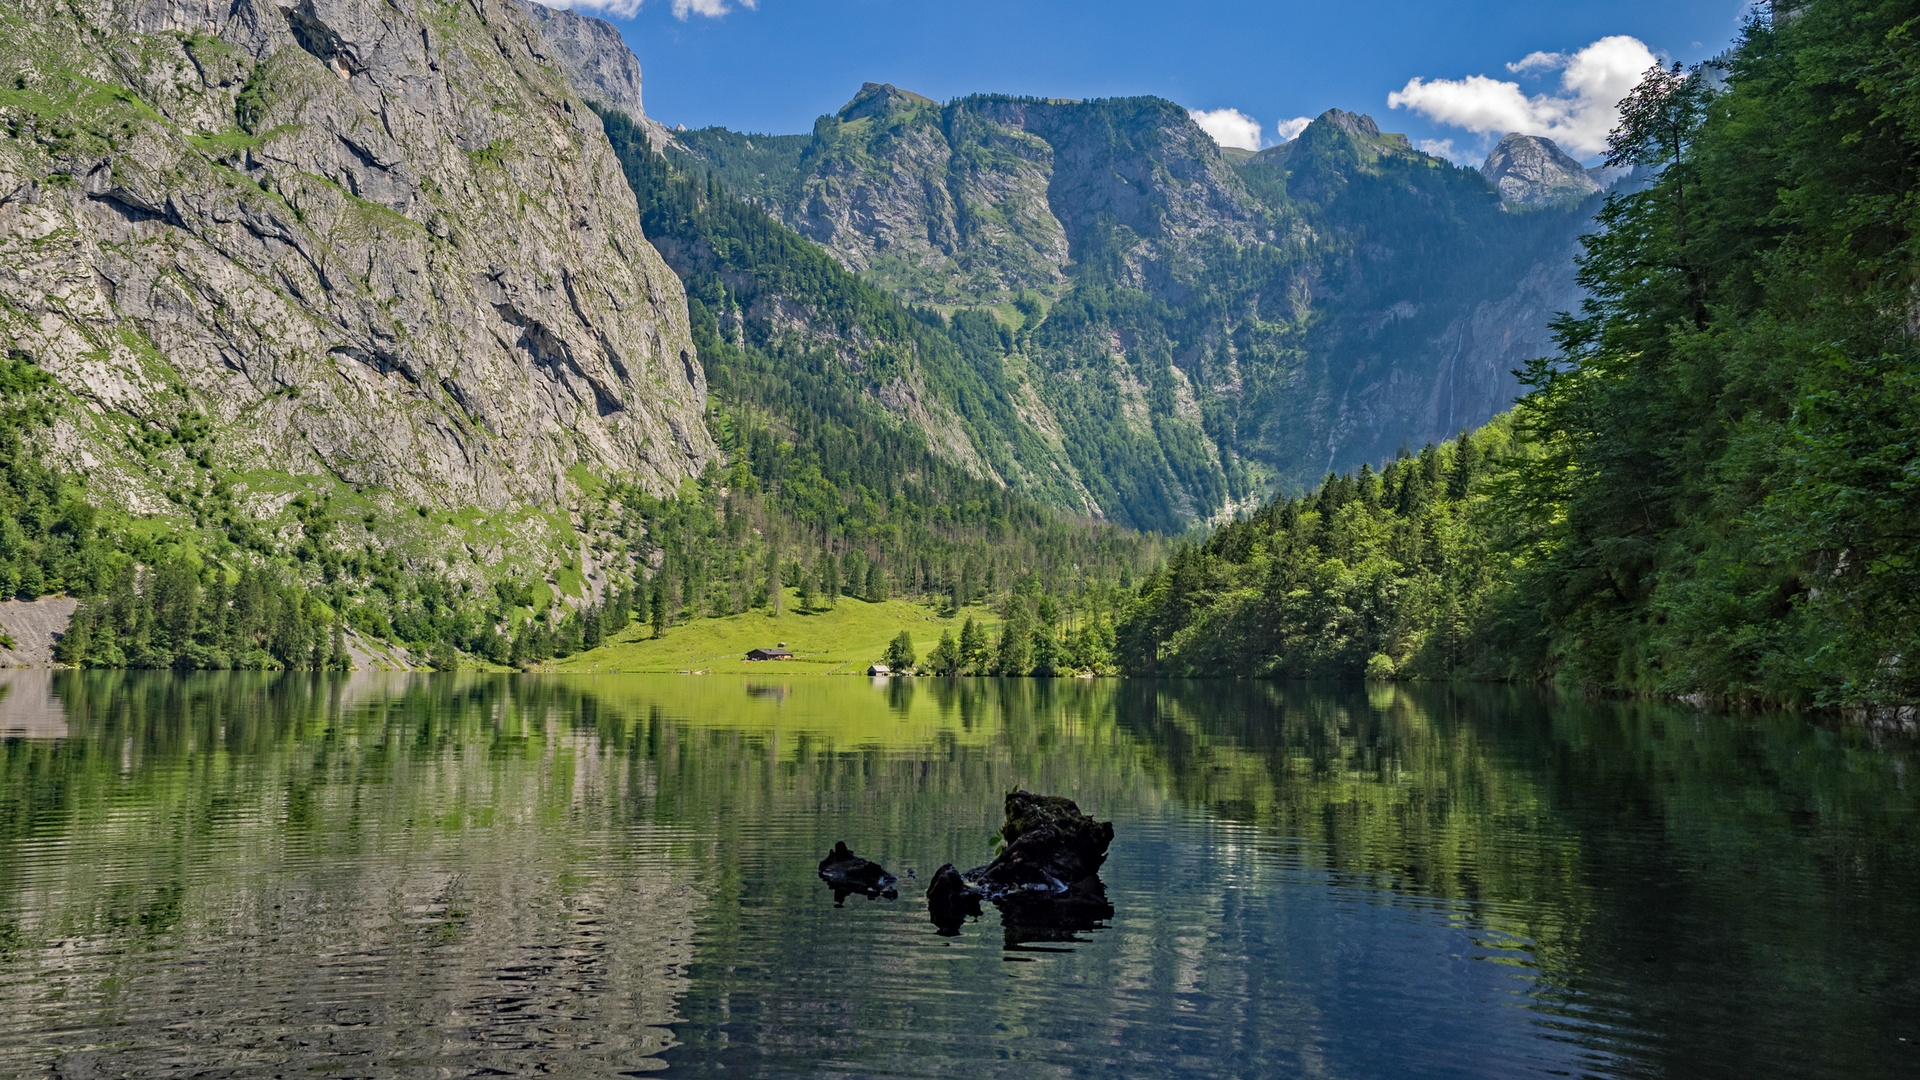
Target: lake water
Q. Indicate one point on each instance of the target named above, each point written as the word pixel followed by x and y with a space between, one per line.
pixel 249 875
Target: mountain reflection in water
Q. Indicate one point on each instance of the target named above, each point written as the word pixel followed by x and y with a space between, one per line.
pixel 431 875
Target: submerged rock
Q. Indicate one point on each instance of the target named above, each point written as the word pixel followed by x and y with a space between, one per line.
pixel 1046 881
pixel 1035 916
pixel 950 900
pixel 1050 845
pixel 846 873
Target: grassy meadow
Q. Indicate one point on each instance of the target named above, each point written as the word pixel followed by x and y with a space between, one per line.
pixel 838 641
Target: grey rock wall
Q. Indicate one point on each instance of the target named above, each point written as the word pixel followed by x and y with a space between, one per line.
pixel 1534 171
pixel 374 244
pixel 596 60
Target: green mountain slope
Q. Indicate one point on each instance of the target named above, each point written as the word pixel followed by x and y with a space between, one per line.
pixel 312 339
pixel 1216 327
pixel 1710 489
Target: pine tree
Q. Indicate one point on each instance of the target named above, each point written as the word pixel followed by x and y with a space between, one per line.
pixel 945 657
pixel 900 655
pixel 829 579
pixel 973 647
pixel 1016 640
pixel 776 590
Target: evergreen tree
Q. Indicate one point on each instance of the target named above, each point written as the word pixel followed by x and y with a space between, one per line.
pixel 900 655
pixel 1016 639
pixel 828 569
pixel 776 595
pixel 945 657
pixel 973 647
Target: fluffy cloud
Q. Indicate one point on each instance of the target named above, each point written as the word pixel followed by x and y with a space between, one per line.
pixel 1578 116
pixel 1439 148
pixel 712 9
pixel 1289 130
pixel 1536 62
pixel 1229 127
pixel 627 9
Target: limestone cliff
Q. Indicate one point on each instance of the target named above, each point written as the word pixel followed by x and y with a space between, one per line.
pixel 377 247
pixel 1534 171
pixel 989 195
pixel 597 61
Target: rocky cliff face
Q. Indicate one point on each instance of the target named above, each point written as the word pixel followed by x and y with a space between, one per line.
pixel 377 247
pixel 988 195
pixel 1260 320
pixel 596 61
pixel 1534 171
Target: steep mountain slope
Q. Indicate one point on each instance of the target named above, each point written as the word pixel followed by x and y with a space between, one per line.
pixel 596 61
pixel 378 251
pixel 1225 324
pixel 988 195
pixel 1420 294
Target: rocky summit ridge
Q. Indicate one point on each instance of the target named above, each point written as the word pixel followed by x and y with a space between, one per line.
pixel 1196 329
pixel 339 247
pixel 1532 170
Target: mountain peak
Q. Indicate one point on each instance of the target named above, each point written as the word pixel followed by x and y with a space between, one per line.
pixel 1358 125
pixel 1534 171
pixel 875 99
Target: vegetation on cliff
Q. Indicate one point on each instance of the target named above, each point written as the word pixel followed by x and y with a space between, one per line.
pixel 1711 488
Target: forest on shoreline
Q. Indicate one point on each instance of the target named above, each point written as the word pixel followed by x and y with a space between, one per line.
pixel 1710 490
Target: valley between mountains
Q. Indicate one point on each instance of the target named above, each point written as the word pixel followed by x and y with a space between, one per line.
pixel 340 333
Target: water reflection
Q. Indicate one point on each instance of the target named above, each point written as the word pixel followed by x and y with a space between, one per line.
pixel 28 709
pixel 421 875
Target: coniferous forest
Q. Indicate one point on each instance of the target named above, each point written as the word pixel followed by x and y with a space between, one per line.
pixel 1711 489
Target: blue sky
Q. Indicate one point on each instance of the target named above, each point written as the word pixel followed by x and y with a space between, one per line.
pixel 775 66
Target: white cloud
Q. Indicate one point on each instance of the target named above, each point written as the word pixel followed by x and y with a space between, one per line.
pixel 627 9
pixel 712 9
pixel 1578 117
pixel 1442 148
pixel 1289 130
pixel 1535 62
pixel 1229 127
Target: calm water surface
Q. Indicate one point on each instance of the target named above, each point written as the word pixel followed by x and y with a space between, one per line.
pixel 473 875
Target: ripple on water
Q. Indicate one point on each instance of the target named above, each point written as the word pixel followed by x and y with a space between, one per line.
pixel 453 877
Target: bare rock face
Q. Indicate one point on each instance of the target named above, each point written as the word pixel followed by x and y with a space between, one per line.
pixel 597 61
pixel 1534 171
pixel 378 244
pixel 989 195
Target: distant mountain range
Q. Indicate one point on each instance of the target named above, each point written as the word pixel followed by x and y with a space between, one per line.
pixel 379 250
pixel 1198 327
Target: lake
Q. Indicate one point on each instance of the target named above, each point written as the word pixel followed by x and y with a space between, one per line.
pixel 332 876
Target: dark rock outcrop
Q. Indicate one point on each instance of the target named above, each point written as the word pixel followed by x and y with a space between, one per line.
pixel 950 901
pixel 1050 845
pixel 847 873
pixel 1047 878
pixel 1032 916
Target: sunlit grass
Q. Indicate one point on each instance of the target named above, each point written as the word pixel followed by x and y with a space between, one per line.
pixel 841 640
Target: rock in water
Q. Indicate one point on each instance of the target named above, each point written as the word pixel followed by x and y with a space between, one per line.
pixel 1035 916
pixel 846 873
pixel 1050 845
pixel 950 900
pixel 1046 881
